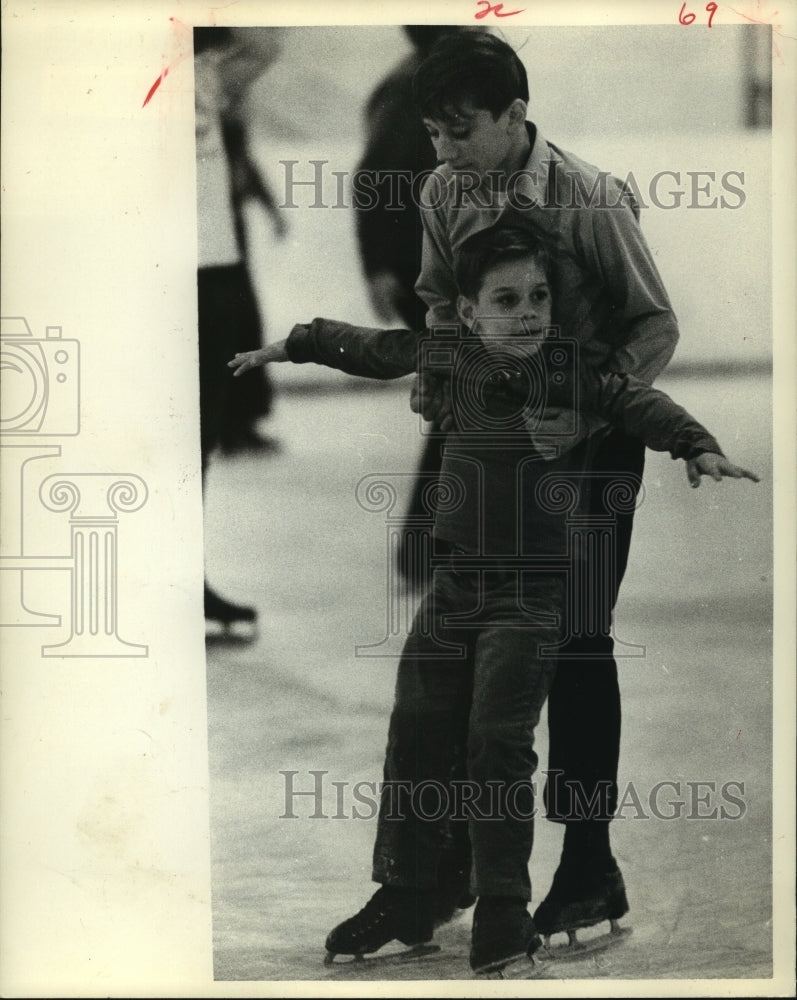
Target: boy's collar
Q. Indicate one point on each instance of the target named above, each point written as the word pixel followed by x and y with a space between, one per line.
pixel 532 180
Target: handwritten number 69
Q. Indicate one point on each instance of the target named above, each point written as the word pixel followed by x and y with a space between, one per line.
pixel 687 17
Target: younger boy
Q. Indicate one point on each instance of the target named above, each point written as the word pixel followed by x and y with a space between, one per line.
pixel 472 685
pixel 496 168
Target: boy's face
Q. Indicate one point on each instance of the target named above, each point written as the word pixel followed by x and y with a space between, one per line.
pixel 470 139
pixel 513 307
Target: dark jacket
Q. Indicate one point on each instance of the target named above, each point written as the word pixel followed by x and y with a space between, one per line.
pixel 623 400
pixel 398 151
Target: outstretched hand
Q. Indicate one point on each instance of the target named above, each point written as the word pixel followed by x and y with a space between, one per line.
pixel 716 466
pixel 253 359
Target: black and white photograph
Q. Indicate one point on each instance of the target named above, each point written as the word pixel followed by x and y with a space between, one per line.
pixel 398 499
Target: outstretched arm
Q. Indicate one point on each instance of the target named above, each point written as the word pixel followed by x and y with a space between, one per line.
pixel 642 412
pixel 357 350
pixel 661 423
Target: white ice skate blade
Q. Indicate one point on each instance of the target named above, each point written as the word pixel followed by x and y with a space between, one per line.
pixel 235 633
pixel 353 962
pixel 574 949
pixel 521 966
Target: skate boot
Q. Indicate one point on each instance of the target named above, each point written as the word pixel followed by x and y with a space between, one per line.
pixel 235 441
pixel 581 899
pixel 503 932
pixel 224 620
pixel 453 893
pixel 391 914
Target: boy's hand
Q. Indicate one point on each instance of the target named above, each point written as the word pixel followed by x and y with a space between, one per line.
pixel 709 464
pixel 253 359
pixel 431 397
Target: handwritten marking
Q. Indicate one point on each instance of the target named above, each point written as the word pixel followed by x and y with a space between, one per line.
pixel 688 17
pixel 684 18
pixel 493 8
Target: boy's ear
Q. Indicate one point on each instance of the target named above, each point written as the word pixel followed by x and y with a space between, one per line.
pixel 465 310
pixel 517 112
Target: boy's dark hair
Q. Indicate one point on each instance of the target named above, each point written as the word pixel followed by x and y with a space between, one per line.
pixel 469 67
pixel 488 248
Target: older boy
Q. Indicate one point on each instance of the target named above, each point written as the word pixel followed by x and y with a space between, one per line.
pixel 495 166
pixel 472 686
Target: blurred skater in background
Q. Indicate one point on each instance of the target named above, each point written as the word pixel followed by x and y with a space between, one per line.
pixel 227 61
pixel 389 230
pixel 242 411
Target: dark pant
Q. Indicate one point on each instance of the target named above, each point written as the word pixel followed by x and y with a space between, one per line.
pixel 229 322
pixel 584 701
pixel 468 697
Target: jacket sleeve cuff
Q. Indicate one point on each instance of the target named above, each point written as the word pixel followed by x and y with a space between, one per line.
pixel 689 449
pixel 298 344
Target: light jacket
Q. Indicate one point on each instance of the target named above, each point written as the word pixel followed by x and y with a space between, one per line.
pixel 609 296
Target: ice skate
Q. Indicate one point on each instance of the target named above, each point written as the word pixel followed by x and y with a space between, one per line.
pixel 392 914
pixel 503 933
pixel 225 621
pixel 575 902
pixel 248 440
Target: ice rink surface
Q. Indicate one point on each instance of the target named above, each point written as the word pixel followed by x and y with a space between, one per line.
pixel 286 533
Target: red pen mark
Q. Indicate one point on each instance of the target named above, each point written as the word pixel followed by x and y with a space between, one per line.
pixel 155 86
pixel 493 8
pixel 684 18
pixel 759 20
pixel 161 78
pixel 181 28
pixel 777 29
pixel 688 17
pixel 763 20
